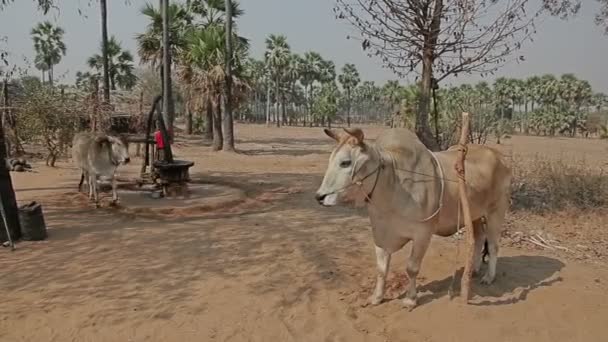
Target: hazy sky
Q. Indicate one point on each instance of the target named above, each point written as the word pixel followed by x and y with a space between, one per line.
pixel 575 46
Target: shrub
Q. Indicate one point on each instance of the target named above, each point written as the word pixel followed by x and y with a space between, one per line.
pixel 542 185
pixel 48 117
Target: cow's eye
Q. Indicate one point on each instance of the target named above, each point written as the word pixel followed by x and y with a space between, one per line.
pixel 345 163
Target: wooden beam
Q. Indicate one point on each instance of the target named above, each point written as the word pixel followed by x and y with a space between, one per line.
pixel 465 284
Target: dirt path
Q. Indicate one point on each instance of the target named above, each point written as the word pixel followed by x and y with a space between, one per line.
pixel 285 270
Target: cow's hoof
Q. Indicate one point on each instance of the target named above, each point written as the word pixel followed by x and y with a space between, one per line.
pixel 487 279
pixel 375 300
pixel 114 203
pixel 409 303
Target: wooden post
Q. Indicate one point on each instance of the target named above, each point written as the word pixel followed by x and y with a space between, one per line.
pixel 465 285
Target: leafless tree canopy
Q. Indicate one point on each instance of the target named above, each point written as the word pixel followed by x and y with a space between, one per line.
pixel 566 8
pixel 462 36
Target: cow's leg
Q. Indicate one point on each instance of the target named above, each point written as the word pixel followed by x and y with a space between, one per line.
pixel 495 220
pixel 383 260
pixel 114 194
pixel 480 237
pixel 419 247
pixel 81 181
pixel 93 180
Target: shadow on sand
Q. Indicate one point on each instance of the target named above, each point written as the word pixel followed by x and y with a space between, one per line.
pixel 516 277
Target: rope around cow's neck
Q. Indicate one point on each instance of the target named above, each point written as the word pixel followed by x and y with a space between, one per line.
pixel 368 197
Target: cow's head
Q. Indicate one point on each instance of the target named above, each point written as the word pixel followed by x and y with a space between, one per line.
pixel 348 171
pixel 119 153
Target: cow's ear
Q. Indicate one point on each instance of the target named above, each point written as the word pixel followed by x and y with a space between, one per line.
pixel 332 134
pixel 356 133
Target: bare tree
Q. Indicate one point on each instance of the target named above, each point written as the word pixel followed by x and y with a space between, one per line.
pixel 567 8
pixel 439 38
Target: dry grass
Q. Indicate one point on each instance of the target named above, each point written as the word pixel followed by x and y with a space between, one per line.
pixel 543 184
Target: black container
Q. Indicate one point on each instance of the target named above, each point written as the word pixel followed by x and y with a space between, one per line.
pixel 31 218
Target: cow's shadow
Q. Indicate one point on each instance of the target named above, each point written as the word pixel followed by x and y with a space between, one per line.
pixel 516 277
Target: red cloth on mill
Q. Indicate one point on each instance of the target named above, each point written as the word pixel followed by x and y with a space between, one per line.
pixel 158 137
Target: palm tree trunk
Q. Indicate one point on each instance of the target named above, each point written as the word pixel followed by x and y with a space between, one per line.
pixel 283 110
pixel 50 75
pixel 168 104
pixel 277 104
pixel 7 196
pixel 527 119
pixel 348 107
pixel 218 139
pixel 268 106
pixel 5 115
pixel 189 122
pixel 104 50
pixel 228 120
pixel 208 119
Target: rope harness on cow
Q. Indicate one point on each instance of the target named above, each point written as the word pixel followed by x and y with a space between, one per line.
pixel 368 196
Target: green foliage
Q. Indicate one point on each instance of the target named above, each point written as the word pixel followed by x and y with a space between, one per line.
pixel 326 101
pixel 120 68
pixel 49 47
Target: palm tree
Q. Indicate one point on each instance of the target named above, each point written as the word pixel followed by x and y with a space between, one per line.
pixel 49 46
pixel 104 50
pixel 349 79
pixel 391 94
pixel 120 65
pixel 503 92
pixel 531 97
pixel 277 59
pixel 292 76
pixel 312 65
pixel 149 43
pixel 326 103
pixel 41 65
pixel 213 12
pixel 203 67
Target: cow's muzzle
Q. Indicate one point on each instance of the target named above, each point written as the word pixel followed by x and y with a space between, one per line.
pixel 326 200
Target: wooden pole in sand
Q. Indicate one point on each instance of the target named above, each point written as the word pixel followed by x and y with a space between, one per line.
pixel 465 284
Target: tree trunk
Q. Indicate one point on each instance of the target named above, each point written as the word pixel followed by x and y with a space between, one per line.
pixel 268 106
pixel 50 75
pixel 5 115
pixel 348 107
pixel 104 50
pixel 283 110
pixel 189 122
pixel 422 119
pixel 430 43
pixel 168 105
pixel 228 119
pixel 277 103
pixel 527 119
pixel 228 133
pixel 209 119
pixel 7 196
pixel 218 139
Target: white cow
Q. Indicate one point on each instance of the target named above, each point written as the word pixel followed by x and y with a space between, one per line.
pixel 411 194
pixel 98 156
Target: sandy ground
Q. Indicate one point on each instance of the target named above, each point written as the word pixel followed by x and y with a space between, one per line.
pixel 273 265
